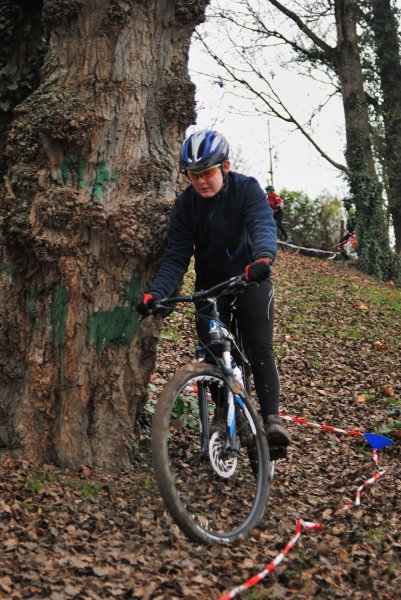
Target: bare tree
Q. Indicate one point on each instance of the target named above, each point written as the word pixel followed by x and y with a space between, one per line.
pixel 90 173
pixel 325 35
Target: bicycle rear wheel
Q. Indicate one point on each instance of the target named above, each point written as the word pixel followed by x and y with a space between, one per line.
pixel 214 497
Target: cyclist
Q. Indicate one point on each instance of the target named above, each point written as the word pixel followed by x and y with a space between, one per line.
pixel 350 211
pixel 223 219
pixel 276 204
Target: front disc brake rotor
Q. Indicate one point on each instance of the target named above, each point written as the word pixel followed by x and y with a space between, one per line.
pixel 222 463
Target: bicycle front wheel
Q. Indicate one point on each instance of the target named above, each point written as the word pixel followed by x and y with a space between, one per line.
pixel 214 496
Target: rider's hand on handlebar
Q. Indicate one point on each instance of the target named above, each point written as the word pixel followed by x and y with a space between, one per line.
pixel 147 303
pixel 259 270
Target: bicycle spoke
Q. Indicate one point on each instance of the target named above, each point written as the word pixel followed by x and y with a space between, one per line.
pixel 223 491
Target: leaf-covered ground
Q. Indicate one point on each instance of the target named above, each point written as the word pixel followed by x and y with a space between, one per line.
pixel 338 347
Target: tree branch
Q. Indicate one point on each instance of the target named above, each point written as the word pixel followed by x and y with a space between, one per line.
pixel 329 50
pixel 271 102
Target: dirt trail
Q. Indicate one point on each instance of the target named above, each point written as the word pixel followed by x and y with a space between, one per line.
pixel 99 536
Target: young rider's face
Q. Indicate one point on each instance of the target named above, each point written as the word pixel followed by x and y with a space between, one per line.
pixel 210 181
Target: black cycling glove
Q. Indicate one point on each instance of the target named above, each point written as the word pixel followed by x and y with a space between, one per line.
pixel 146 304
pixel 259 270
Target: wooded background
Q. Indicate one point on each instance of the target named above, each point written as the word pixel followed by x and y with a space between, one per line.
pixel 95 98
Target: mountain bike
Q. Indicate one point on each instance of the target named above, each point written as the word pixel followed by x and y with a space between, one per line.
pixel 347 246
pixel 209 450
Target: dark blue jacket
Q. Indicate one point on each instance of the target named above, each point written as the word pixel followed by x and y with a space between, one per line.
pixel 224 233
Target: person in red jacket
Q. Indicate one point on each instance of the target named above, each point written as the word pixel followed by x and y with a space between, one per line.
pixel 276 204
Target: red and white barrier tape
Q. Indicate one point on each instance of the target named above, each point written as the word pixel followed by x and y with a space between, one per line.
pixel 357 502
pixel 320 426
pixel 301 524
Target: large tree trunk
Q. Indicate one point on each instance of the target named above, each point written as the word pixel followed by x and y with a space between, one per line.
pixel 372 229
pixel 91 162
pixel 385 28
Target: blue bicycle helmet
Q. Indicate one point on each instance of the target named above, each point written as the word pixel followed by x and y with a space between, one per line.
pixel 202 150
pixel 269 188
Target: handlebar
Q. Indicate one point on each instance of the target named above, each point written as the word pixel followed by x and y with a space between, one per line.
pixel 233 284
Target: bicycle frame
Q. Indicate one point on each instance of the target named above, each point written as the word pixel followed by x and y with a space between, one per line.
pixel 224 347
pixel 203 467
pixel 220 347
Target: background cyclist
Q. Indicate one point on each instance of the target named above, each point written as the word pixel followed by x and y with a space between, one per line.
pixel 350 212
pixel 222 217
pixel 276 204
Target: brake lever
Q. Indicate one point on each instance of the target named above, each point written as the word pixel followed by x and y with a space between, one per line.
pixel 152 312
pixel 162 310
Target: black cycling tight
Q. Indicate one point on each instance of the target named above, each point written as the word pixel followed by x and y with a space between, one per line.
pixel 278 217
pixel 255 319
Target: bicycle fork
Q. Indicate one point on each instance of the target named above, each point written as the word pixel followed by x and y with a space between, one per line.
pixel 229 413
pixel 204 420
pixel 230 416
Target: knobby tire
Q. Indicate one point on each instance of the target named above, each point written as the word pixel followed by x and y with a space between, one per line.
pixel 207 507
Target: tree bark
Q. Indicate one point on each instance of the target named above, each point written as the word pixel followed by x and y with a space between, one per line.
pixel 348 68
pixel 374 255
pixel 385 29
pixel 91 174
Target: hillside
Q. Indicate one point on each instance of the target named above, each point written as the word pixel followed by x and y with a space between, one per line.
pixel 338 348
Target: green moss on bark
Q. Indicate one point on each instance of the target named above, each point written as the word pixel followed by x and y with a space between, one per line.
pixel 118 326
pixel 58 313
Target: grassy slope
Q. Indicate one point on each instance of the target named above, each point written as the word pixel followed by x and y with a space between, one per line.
pixel 338 344
pixel 338 348
pixel 100 536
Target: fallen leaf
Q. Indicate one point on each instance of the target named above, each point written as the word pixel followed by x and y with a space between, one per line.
pixel 388 390
pixel 86 471
pixel 11 543
pixel 360 398
pixel 361 306
pixel 76 563
pixel 278 592
pixel 343 554
pixel 5 584
pixel 100 571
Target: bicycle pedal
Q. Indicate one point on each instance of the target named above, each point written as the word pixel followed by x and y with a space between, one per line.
pixel 277 452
